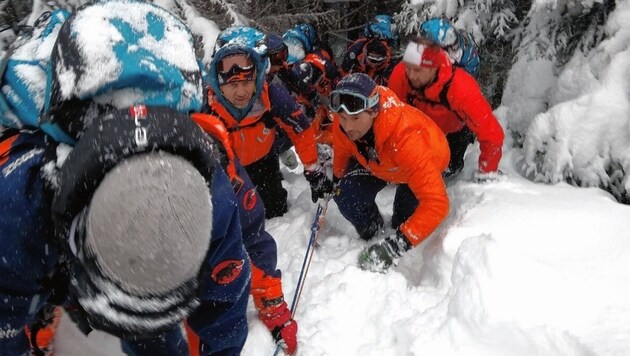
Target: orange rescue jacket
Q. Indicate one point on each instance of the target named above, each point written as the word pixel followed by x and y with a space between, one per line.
pixel 252 138
pixel 453 100
pixel 411 150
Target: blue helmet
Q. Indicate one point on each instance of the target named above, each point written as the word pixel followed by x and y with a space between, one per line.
pixel 300 41
pixel 459 44
pixel 241 36
pixel 381 27
pixel 440 31
pixel 240 40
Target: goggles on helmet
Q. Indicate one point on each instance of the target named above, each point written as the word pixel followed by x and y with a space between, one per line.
pixel 351 103
pixel 236 68
pixel 375 59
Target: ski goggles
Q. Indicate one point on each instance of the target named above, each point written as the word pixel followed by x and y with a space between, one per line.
pixel 236 68
pixel 351 103
pixel 375 59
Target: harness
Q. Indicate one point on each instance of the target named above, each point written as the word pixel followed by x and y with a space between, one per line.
pixel 253 130
pixel 443 96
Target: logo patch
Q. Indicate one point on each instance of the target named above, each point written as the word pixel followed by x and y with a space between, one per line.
pixel 249 199
pixel 227 271
pixel 139 112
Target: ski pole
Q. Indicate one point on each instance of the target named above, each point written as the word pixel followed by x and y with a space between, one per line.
pixel 320 216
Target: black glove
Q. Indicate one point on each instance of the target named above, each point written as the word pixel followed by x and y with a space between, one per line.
pixel 380 256
pixel 321 185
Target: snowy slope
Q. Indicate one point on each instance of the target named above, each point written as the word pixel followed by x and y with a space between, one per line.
pixel 517 268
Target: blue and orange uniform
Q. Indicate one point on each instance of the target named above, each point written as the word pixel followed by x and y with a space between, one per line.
pixel 28 251
pixel 266 287
pixel 31 256
pixel 252 128
pixel 403 147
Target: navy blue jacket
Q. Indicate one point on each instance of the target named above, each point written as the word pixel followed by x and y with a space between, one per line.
pixel 27 251
pixel 28 255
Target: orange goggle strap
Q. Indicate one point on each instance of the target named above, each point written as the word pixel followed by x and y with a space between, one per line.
pixel 193 340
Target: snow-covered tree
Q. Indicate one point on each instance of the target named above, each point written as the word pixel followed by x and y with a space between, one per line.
pixel 550 35
pixel 541 60
pixel 573 61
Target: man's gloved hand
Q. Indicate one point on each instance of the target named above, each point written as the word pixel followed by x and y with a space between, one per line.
pixel 283 328
pixel 380 256
pixel 486 177
pixel 321 185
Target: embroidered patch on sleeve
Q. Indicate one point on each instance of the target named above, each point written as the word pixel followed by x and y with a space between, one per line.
pixel 227 271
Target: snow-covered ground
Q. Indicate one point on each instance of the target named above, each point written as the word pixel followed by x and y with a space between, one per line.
pixel 517 268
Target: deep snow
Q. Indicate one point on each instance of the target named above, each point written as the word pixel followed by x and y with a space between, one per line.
pixel 517 268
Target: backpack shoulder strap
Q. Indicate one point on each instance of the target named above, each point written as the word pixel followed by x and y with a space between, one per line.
pixel 444 91
pixel 214 126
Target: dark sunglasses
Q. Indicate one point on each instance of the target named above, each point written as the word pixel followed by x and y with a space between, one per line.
pixel 240 62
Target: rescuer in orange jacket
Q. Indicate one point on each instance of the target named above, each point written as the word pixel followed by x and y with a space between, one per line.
pixel 252 110
pixel 319 73
pixel 379 140
pixel 450 96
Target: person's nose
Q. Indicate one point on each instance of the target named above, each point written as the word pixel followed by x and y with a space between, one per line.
pixel 349 123
pixel 240 89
